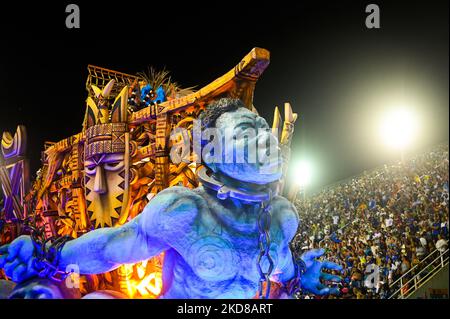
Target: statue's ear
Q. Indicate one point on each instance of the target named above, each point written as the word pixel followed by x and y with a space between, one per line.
pixel 92 112
pixel 119 110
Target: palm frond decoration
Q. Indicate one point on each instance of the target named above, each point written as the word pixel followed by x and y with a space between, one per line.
pixel 174 90
pixel 162 78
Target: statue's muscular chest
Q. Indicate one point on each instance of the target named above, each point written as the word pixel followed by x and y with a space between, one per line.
pixel 223 244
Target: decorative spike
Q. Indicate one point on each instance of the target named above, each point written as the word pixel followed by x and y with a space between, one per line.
pixel 276 126
pixel 119 108
pixel 108 88
pixel 96 90
pixel 288 115
pixel 286 138
pixel 92 112
pixel 104 115
pixel 91 103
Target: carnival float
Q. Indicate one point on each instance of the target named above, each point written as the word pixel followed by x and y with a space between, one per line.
pixel 104 175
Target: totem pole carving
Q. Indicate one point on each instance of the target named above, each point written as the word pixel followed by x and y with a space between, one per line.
pixel 107 158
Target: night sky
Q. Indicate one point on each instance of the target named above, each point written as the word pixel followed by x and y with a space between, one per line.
pixel 332 69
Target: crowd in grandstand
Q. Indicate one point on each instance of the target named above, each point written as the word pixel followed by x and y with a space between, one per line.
pixel 391 217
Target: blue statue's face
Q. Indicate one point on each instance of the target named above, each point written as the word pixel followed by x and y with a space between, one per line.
pixel 250 152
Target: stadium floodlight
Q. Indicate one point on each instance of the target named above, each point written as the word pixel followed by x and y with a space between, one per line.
pixel 303 173
pixel 398 128
pixel 301 178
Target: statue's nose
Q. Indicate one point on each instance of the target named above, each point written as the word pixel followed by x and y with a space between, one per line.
pixel 100 186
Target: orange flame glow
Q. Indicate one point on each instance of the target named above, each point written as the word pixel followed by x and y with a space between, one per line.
pixel 142 280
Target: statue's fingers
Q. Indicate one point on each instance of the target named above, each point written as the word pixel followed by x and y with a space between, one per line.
pixel 329 277
pixel 314 289
pixel 10 266
pixel 331 265
pixel 320 286
pixel 322 291
pixel 13 251
pixel 328 291
pixel 30 268
pixel 334 291
pixel 312 254
pixel 19 273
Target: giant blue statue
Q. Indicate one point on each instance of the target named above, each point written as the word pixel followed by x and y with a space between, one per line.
pixel 224 239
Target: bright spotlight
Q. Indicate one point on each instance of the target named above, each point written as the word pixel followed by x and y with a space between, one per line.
pixel 302 173
pixel 398 128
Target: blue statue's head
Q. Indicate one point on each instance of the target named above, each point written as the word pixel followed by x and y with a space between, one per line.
pixel 238 143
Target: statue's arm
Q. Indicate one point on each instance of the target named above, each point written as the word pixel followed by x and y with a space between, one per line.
pixel 287 216
pixel 98 251
pixel 105 249
pixel 169 214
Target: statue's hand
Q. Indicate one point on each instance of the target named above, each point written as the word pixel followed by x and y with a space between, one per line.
pixel 311 279
pixel 17 259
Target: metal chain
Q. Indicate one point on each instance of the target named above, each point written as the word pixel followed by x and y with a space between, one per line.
pixel 294 286
pixel 47 257
pixel 264 221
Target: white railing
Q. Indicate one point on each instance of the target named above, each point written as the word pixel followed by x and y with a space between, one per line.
pixel 418 275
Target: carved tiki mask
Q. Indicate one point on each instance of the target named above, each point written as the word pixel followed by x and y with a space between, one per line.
pixel 106 158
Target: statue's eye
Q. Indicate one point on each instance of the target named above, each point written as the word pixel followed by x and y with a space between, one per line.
pixel 90 169
pixel 114 166
pixel 245 125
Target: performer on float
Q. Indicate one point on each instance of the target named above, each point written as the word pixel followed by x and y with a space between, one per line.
pixel 224 239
